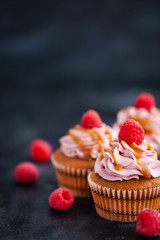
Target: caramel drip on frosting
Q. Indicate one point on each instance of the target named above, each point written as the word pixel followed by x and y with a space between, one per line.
pixel 137 150
pixel 144 168
pixel 108 132
pixel 146 124
pixel 77 140
pixel 95 135
pixel 81 144
pixel 150 148
pixel 117 166
pixel 138 154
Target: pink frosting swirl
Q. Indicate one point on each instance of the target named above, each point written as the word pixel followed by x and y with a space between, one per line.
pixel 71 148
pixel 151 117
pixel 124 156
pixel 154 140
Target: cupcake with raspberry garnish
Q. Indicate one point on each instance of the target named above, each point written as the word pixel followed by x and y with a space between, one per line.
pixel 126 178
pixel 144 111
pixel 78 150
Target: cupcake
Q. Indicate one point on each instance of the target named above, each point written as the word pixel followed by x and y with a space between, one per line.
pixel 79 148
pixel 126 177
pixel 144 111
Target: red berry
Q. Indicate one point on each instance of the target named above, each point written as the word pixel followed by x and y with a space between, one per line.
pixel 26 173
pixel 61 199
pixel 131 131
pixel 148 222
pixel 145 100
pixel 40 150
pixel 91 119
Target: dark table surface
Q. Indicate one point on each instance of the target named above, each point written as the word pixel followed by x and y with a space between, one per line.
pixel 57 60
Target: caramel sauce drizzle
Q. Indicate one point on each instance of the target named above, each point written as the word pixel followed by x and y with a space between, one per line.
pixel 137 150
pixel 117 166
pixel 77 140
pixel 146 124
pixel 138 154
pixel 95 135
pixel 146 172
pixel 150 148
pixel 107 132
pixel 144 169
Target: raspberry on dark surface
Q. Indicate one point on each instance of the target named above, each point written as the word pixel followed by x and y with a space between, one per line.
pixel 145 100
pixel 91 119
pixel 26 173
pixel 61 199
pixel 148 222
pixel 131 132
pixel 40 150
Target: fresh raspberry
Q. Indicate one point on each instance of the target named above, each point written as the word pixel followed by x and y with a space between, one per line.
pixel 61 199
pixel 91 119
pixel 40 150
pixel 148 222
pixel 145 100
pixel 26 173
pixel 131 131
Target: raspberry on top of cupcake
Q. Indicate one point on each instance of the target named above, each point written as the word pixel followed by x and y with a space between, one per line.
pixel 144 111
pixel 128 157
pixel 87 139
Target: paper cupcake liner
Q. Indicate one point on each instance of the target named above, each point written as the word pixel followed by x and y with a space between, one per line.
pixel 122 205
pixel 73 179
pixel 124 194
pixel 69 170
pixel 115 217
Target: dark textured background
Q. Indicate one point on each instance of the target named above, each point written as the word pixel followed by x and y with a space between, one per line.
pixel 58 59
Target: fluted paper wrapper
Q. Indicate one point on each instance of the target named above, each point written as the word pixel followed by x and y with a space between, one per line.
pixel 72 178
pixel 123 205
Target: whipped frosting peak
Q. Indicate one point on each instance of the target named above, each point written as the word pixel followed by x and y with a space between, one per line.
pixel 86 143
pixel 121 161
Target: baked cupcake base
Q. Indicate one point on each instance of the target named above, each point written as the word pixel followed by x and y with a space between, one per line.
pixel 122 201
pixel 72 173
pixel 78 185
